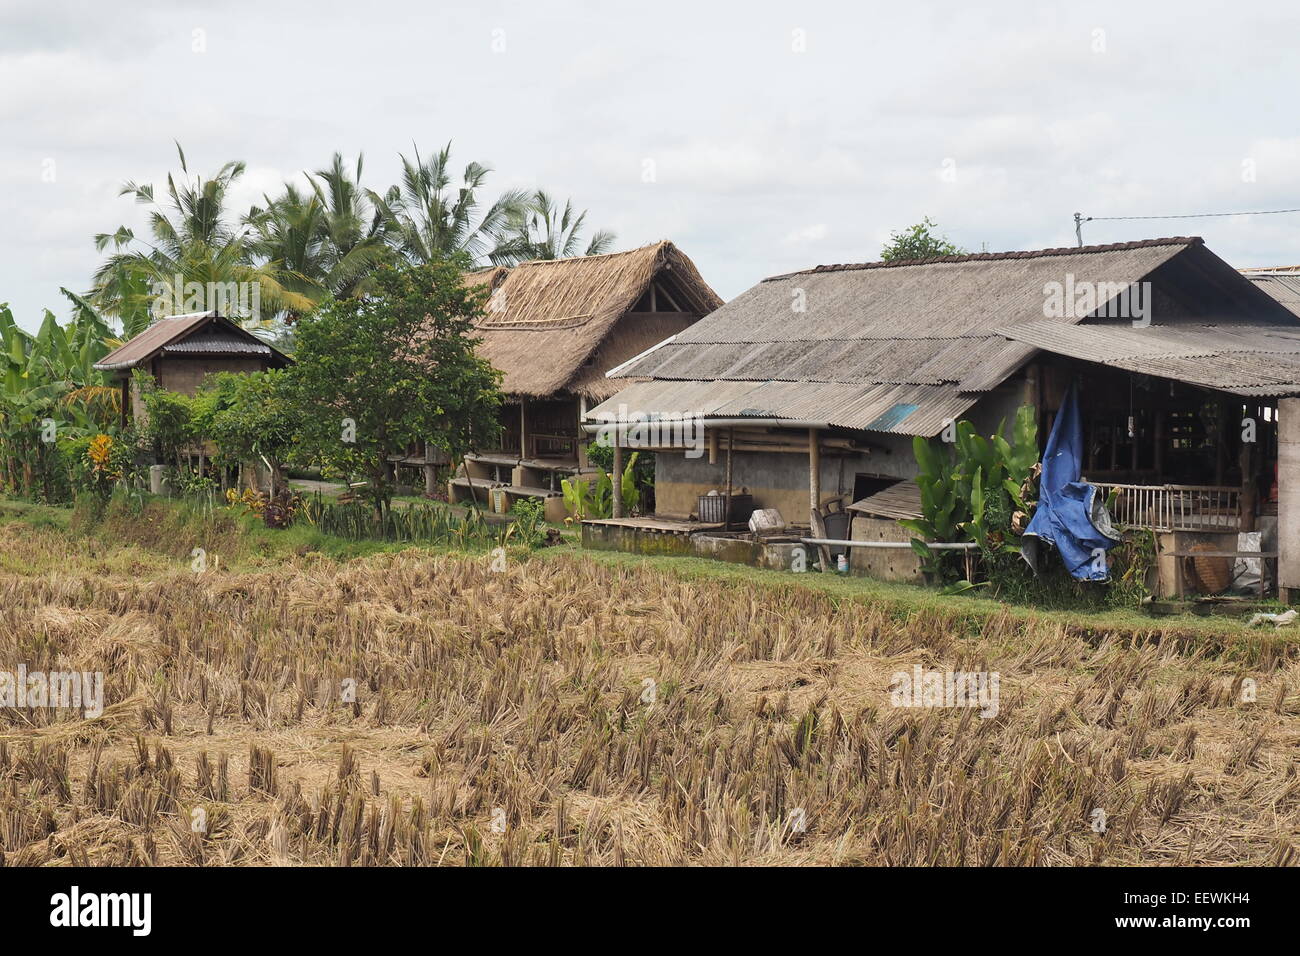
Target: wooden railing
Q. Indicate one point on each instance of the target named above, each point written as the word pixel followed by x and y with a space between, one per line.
pixel 1175 507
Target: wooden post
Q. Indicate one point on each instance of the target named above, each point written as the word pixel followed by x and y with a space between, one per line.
pixel 726 505
pixel 1221 444
pixel 1090 449
pixel 523 429
pixel 582 440
pixel 1159 449
pixel 618 472
pixel 814 470
pixel 814 497
pixel 1133 456
pixel 1249 485
pixel 430 471
pixel 1288 500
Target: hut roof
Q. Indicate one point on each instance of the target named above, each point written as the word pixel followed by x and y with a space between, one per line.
pixel 548 322
pixel 903 346
pixel 1282 283
pixel 196 334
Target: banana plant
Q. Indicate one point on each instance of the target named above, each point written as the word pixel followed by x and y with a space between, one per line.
pixel 48 379
pixel 959 480
pixel 577 499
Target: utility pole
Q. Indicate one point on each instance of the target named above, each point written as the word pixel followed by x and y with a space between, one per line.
pixel 1078 228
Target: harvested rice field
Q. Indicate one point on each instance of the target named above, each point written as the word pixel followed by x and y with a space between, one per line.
pixel 425 709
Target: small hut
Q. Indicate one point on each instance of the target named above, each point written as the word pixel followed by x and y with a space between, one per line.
pixel 554 328
pixel 182 350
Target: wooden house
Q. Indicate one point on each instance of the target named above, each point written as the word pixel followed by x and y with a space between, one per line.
pixel 811 386
pixel 553 328
pixel 182 350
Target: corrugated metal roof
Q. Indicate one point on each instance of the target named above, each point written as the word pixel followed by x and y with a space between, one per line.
pixel 217 345
pixel 1283 286
pixel 195 334
pixel 899 500
pixel 1242 359
pixel 152 340
pixel 967 296
pixel 904 347
pixel 894 409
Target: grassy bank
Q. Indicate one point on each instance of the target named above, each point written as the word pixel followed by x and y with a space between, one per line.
pixel 171 530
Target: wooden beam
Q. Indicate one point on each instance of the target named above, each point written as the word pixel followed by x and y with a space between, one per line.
pixel 617 477
pixel 582 442
pixel 1159 448
pixel 523 429
pixel 726 505
pixel 1221 442
pixel 1249 485
pixel 676 306
pixel 814 470
pixel 1133 455
pixel 814 496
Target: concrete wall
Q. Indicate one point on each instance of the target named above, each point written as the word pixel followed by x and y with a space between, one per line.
pixel 780 479
pixel 775 479
pixel 885 564
pixel 1288 501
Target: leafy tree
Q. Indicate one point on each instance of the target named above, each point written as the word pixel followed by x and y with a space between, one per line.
pixel 250 417
pixel 540 229
pixel 431 218
pixel 376 374
pixel 168 423
pixel 918 242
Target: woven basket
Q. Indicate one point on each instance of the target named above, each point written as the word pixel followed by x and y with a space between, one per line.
pixel 1212 575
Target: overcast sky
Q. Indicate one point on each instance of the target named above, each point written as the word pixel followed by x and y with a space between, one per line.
pixel 780 135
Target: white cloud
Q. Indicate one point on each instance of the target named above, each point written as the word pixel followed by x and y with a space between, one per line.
pixel 767 161
pixel 808 234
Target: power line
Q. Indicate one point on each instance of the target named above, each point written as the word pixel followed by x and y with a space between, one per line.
pixel 1080 219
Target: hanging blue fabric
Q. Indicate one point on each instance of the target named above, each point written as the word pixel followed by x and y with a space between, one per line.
pixel 1071 516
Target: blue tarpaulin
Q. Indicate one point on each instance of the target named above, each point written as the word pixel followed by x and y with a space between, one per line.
pixel 1070 516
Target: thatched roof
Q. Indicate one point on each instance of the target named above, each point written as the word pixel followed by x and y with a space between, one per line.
pixel 903 346
pixel 553 326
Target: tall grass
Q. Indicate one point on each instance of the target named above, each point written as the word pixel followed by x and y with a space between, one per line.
pixel 423 522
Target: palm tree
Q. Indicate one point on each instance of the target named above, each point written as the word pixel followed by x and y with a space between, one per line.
pixel 433 219
pixel 286 236
pixel 327 241
pixel 192 241
pixel 540 229
pixel 354 231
